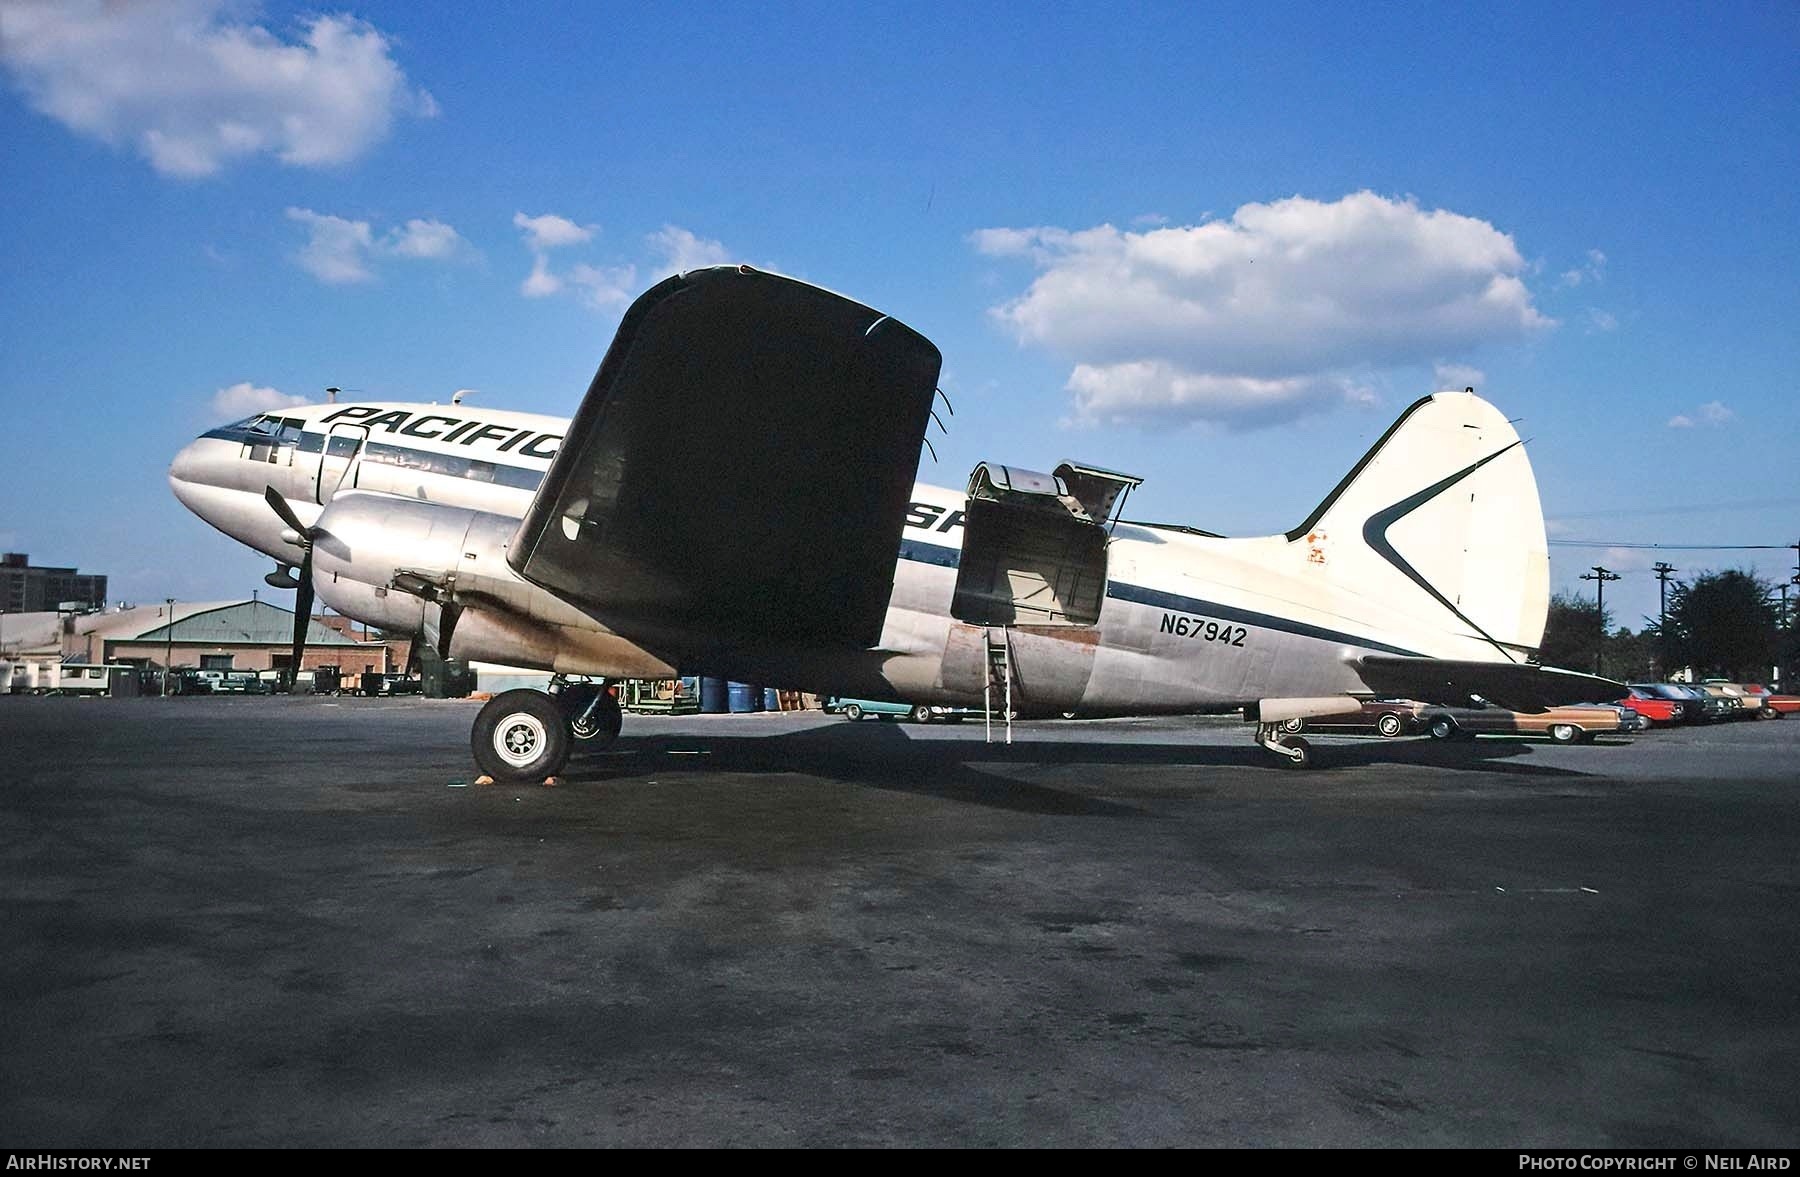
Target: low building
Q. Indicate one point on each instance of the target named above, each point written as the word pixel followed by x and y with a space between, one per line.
pixel 248 635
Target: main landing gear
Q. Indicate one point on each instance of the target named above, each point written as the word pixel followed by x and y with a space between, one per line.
pixel 1294 751
pixel 527 735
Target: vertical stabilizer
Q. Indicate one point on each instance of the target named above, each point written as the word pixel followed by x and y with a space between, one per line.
pixel 1441 521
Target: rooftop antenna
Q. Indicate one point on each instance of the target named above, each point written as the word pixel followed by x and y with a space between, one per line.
pixel 456 397
pixel 331 394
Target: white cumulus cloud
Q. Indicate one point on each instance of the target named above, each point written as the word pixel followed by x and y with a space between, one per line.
pixel 681 250
pixel 1712 413
pixel 244 398
pixel 1264 316
pixel 1457 376
pixel 550 231
pixel 1591 271
pixel 191 90
pixel 340 251
pixel 605 287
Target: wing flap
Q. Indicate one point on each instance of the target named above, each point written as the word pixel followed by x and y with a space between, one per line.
pixel 740 466
pixel 1513 686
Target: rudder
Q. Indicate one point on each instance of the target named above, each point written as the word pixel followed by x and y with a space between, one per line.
pixel 1441 520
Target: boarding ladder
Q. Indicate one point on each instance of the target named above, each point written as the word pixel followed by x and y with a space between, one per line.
pixel 999 679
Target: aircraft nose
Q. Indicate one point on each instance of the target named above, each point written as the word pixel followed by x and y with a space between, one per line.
pixel 186 466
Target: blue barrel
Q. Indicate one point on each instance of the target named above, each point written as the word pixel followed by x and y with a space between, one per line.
pixel 713 699
pixel 744 697
pixel 771 699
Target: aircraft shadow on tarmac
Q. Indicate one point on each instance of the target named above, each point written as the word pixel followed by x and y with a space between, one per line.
pixel 885 756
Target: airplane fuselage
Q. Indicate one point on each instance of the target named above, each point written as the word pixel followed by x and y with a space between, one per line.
pixel 431 495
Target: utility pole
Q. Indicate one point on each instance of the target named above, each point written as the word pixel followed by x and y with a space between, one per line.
pixel 1663 570
pixel 1600 576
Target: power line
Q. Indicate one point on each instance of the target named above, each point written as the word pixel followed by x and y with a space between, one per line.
pixel 1600 543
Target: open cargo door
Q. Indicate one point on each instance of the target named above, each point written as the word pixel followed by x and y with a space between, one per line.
pixel 1034 545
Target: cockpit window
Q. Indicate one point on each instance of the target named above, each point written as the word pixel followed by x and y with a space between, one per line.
pixel 270 439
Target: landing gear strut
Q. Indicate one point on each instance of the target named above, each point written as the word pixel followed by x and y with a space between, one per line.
pixel 594 715
pixel 1294 751
pixel 527 735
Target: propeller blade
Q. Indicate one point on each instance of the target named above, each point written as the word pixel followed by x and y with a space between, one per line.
pixel 280 506
pixel 303 605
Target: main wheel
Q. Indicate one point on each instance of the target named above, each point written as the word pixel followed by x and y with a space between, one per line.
pixel 1389 725
pixel 1443 728
pixel 852 712
pixel 601 727
pixel 1564 733
pixel 520 735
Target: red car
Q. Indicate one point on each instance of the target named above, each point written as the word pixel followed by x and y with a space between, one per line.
pixel 1781 705
pixel 1651 707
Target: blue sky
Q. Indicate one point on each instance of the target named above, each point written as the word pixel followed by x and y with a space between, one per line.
pixel 1588 212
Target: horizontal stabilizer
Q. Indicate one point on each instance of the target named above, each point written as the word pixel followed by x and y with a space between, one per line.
pixel 1513 686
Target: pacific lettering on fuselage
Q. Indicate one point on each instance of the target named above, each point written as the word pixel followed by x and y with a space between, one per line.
pixel 927 516
pixel 438 427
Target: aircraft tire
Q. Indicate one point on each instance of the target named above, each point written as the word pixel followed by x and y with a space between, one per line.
pixel 521 735
pixel 1297 744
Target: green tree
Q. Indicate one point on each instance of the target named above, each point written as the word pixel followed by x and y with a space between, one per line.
pixel 1724 624
pixel 1630 656
pixel 1572 633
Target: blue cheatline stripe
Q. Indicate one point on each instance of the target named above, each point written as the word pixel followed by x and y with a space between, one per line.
pixel 943 557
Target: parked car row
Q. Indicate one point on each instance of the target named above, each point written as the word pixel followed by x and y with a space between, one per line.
pixel 1646 705
pixel 1401 717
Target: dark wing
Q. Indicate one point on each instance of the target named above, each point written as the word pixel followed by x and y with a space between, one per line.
pixel 1513 686
pixel 741 465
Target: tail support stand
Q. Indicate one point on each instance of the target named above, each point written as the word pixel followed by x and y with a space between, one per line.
pixel 1294 750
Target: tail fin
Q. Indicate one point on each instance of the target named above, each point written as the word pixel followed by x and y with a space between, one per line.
pixel 1441 522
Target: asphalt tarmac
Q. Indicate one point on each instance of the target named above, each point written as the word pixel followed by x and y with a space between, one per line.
pixel 272 921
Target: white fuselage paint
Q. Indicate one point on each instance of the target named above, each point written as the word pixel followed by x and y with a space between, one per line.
pixel 1190 623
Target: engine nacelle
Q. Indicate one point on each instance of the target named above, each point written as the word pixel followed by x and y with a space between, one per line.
pixel 404 564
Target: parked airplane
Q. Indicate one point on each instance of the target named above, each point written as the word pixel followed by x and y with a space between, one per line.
pixel 735 496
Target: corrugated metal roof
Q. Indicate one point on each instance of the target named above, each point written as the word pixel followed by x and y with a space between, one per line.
pixel 256 623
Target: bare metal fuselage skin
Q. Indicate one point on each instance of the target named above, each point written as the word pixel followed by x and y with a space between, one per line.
pixel 404 493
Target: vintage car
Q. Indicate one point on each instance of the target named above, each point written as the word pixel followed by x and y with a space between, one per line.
pixel 1384 717
pixel 1564 725
pixel 1780 706
pixel 1759 695
pixel 1656 707
pixel 1742 706
pixel 855 709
